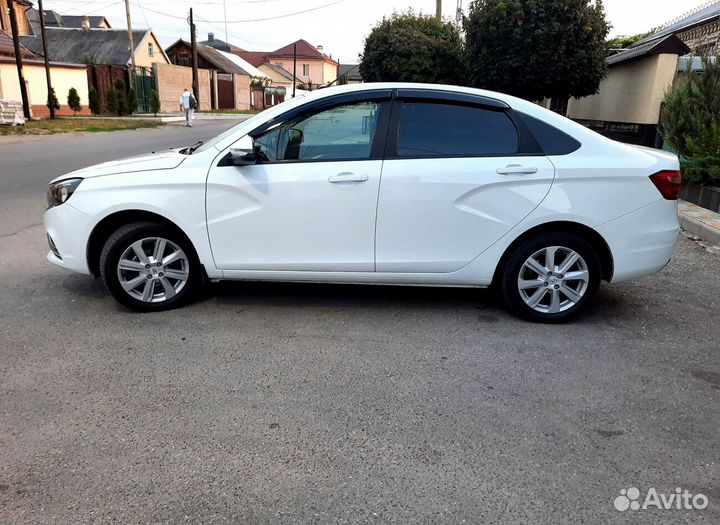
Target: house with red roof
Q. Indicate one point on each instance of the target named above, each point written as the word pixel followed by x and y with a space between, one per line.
pixel 313 67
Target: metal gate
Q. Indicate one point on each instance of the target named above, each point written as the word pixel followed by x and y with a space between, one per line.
pixel 225 88
pixel 144 83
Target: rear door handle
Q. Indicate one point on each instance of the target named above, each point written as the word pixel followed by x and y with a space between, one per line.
pixel 348 177
pixel 517 169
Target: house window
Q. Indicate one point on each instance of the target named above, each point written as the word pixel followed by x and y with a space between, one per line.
pixel 306 70
pixel 151 50
pixel 182 58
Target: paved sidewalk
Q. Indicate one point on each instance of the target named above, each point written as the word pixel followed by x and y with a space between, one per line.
pixel 700 221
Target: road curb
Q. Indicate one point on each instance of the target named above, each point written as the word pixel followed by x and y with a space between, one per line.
pixel 699 221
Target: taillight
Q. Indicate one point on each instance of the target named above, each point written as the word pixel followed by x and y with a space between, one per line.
pixel 668 184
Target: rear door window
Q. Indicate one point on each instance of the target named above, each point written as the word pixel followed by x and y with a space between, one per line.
pixel 430 129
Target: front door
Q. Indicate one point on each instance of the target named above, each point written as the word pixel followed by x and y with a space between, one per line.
pixel 309 203
pixel 457 179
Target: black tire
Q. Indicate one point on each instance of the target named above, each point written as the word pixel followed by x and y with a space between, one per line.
pixel 122 240
pixel 509 286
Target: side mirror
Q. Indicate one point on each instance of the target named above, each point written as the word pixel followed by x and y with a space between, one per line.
pixel 242 153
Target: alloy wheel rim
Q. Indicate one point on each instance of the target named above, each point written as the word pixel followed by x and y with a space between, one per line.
pixel 553 279
pixel 153 270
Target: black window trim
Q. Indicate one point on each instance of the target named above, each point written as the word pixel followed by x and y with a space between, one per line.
pixel 527 145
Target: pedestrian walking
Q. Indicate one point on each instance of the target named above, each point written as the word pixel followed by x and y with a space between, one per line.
pixel 188 103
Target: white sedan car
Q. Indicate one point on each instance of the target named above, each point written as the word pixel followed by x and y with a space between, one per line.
pixel 377 183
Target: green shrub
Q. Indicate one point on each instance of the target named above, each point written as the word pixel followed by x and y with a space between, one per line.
pixel 73 100
pixel 155 101
pixel 112 102
pixel 94 101
pixel 52 102
pixel 410 47
pixel 132 101
pixel 691 122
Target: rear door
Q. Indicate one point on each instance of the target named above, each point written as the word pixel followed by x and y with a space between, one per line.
pixel 460 171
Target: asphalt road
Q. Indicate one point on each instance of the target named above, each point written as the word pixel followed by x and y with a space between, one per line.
pixel 283 403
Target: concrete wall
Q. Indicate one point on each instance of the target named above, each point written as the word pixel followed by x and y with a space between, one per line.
pixel 632 92
pixel 330 72
pixel 62 77
pixel 172 80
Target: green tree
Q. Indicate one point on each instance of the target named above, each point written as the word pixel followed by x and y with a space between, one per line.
pixel 537 49
pixel 132 102
pixel 122 106
pixel 94 101
pixel 52 101
pixel 409 47
pixel 155 101
pixel 691 121
pixel 73 100
pixel 112 102
pixel 621 42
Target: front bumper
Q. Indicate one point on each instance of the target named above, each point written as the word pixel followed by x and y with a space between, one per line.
pixel 641 242
pixel 69 229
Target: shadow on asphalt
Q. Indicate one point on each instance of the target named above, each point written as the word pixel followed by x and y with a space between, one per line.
pixel 612 302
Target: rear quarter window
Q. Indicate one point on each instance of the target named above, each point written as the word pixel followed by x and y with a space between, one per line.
pixel 550 139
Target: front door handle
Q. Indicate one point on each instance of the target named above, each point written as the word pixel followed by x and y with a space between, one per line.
pixel 517 169
pixel 348 177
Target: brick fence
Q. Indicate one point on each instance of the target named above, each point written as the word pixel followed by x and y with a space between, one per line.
pixel 171 80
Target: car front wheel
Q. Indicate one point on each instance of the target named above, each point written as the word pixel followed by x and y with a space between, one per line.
pixel 551 278
pixel 149 267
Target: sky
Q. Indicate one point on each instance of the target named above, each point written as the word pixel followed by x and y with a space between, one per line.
pixel 339 26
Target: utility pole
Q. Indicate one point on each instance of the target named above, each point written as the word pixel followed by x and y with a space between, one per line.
pixel 193 44
pixel 130 35
pixel 294 68
pixel 47 60
pixel 438 9
pixel 18 59
pixel 227 41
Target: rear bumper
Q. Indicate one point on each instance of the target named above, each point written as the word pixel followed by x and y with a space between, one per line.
pixel 69 230
pixel 641 242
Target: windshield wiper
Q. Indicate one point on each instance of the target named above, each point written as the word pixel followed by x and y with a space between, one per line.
pixel 195 146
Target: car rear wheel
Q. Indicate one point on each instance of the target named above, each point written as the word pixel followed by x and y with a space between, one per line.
pixel 149 267
pixel 551 278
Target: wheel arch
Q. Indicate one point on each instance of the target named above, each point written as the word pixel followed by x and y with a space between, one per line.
pixel 108 225
pixel 581 230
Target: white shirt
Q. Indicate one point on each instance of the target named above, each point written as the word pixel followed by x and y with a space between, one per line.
pixel 185 99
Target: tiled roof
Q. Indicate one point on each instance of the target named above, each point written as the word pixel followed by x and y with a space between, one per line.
pixel 76 46
pixel 7 49
pixel 304 50
pixel 700 16
pixel 669 44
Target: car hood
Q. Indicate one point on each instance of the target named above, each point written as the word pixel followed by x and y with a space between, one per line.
pixel 164 160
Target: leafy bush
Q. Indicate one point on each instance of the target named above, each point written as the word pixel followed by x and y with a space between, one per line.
pixel 52 102
pixel 132 103
pixel 155 101
pixel 691 122
pixel 121 97
pixel 112 102
pixel 537 49
pixel 94 101
pixel 409 47
pixel 73 100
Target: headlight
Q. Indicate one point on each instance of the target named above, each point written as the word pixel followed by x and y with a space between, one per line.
pixel 60 192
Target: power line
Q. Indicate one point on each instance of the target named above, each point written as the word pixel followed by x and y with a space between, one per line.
pixel 256 19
